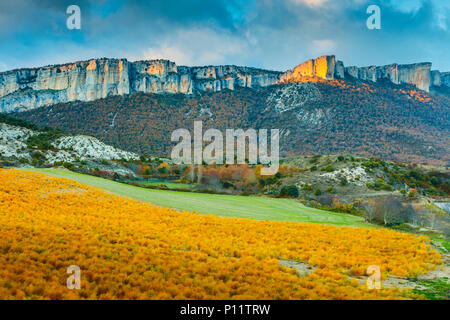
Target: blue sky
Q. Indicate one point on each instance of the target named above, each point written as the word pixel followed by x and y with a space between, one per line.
pixel 272 34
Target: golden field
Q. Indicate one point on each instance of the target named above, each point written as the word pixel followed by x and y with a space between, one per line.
pixel 128 249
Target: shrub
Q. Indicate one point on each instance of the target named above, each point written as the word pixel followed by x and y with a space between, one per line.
pixel 328 168
pixel 386 187
pixel 162 170
pixel 380 184
pixel 36 155
pixel 318 192
pixel 289 191
pixel 270 180
pixel 68 165
pixel 331 190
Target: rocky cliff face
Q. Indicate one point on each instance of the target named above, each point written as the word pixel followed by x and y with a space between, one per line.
pixel 418 74
pixel 85 80
pixel 439 79
pixel 322 67
pixel 27 89
pixel 445 79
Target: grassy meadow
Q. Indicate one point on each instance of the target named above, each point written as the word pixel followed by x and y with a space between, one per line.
pixel 260 208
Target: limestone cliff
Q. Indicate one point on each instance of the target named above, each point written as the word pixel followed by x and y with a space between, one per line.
pixel 322 67
pixel 440 78
pixel 435 78
pixel 418 74
pixel 26 89
pixel 85 80
pixel 445 79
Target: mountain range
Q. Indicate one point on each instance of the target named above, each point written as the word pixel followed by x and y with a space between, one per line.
pixel 397 112
pixel 26 89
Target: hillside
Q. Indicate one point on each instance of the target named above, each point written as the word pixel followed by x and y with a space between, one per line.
pixel 23 144
pixel 394 122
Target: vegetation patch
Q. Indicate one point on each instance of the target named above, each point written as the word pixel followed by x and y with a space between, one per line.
pixel 128 249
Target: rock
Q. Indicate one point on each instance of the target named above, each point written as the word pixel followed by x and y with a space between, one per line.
pixel 352 72
pixel 322 67
pixel 445 79
pixel 435 78
pixel 418 74
pixel 25 89
pixel 85 80
pixel 293 96
pixel 339 70
pixel 66 148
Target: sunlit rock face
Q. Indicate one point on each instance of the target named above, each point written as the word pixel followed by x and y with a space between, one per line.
pixel 322 67
pixel 26 89
pixel 156 76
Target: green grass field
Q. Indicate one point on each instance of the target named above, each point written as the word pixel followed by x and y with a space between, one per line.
pixel 168 184
pixel 261 208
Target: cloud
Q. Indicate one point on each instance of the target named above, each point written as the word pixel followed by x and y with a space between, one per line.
pixel 273 34
pixel 310 3
pixel 324 45
pixel 198 46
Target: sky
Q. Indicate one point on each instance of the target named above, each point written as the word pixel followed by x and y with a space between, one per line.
pixel 270 34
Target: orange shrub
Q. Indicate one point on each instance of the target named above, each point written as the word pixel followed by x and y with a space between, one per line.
pixel 128 249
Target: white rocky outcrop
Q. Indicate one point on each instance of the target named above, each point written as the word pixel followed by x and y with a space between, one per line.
pixel 66 149
pixel 358 175
pixel 86 147
pixel 12 141
pixel 293 96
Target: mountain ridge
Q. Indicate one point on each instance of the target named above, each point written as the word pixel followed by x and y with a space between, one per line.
pixel 394 122
pixel 88 80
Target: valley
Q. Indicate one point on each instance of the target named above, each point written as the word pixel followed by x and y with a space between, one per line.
pixel 363 178
pixel 260 208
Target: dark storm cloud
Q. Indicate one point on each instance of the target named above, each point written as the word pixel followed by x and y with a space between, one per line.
pixel 293 31
pixel 275 34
